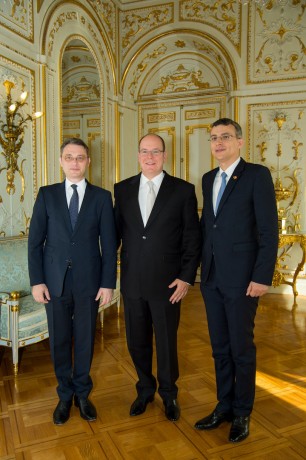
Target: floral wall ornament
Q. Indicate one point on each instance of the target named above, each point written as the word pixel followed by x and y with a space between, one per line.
pixel 12 136
pixel 280 131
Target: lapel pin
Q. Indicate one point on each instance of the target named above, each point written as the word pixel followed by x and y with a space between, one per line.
pixel 235 177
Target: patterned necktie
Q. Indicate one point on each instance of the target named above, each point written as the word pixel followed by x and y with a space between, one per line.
pixel 150 199
pixel 221 189
pixel 74 206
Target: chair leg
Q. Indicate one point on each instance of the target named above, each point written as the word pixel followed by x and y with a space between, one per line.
pixel 14 318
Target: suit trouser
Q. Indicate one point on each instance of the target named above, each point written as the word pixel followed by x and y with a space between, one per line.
pixel 230 316
pixel 72 325
pixel 141 318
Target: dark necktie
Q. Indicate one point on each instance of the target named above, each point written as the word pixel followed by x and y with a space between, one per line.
pixel 221 189
pixel 74 205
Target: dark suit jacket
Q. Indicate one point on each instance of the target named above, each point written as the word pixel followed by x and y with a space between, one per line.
pixel 52 243
pixel 243 236
pixel 168 247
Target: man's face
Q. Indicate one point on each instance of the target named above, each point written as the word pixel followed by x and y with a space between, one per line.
pixel 151 156
pixel 226 150
pixel 74 161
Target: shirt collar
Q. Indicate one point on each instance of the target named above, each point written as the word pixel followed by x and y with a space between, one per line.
pixel 157 180
pixel 229 171
pixel 81 184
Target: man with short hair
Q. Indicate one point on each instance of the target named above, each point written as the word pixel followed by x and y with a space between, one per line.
pixel 240 241
pixel 157 221
pixel 72 264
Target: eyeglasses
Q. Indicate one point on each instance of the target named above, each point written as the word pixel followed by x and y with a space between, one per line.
pixel 78 159
pixel 154 152
pixel 222 138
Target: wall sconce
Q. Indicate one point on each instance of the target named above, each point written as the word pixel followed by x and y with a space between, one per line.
pixel 11 137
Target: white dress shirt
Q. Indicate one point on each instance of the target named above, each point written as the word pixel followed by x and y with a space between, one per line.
pixel 81 191
pixel 144 190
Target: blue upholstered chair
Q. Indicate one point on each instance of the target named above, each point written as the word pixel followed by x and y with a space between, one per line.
pixel 22 320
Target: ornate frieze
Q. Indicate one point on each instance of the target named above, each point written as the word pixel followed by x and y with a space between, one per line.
pixel 17 16
pixel 58 24
pixel 200 114
pixel 134 24
pixel 277 41
pixel 223 15
pixel 161 117
pixel 107 14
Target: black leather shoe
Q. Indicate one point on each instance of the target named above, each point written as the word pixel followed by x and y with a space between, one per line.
pixel 239 429
pixel 213 420
pixel 87 409
pixel 139 405
pixel 62 412
pixel 172 410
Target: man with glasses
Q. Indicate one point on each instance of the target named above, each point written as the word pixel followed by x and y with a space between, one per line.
pixel 72 264
pixel 157 221
pixel 240 241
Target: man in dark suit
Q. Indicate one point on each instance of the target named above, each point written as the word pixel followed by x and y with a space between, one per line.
pixel 240 240
pixel 159 258
pixel 72 264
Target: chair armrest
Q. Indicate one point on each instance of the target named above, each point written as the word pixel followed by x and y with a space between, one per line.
pixel 4 296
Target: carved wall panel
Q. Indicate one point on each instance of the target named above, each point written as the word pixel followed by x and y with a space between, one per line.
pixel 134 24
pixel 277 42
pixel 223 15
pixel 18 16
pixel 107 15
pixel 278 141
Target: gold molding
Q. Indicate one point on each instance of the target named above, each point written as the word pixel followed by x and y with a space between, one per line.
pixel 85 11
pixel 171 132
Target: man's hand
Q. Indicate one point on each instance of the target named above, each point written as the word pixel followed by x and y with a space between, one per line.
pixel 256 289
pixel 105 294
pixel 180 291
pixel 40 293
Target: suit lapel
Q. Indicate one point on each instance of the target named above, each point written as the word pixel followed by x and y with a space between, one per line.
pixel 133 201
pixel 62 205
pixel 231 184
pixel 210 187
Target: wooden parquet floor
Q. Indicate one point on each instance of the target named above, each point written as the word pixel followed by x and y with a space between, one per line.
pixel 278 423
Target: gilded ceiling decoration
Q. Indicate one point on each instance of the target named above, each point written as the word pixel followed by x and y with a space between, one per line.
pixel 159 51
pixel 135 24
pixel 223 15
